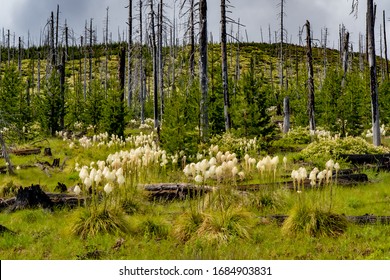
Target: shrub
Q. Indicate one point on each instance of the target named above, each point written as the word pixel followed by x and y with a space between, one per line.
pixel 337 146
pixel 238 145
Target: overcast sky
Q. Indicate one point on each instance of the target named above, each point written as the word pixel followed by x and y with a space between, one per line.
pixel 23 16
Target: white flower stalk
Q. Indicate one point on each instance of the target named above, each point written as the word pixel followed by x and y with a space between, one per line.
pixel 321 176
pixel 108 188
pixel 234 172
pixel 294 176
pixel 328 176
pixel 285 162
pixel 199 178
pixel 83 173
pixel 329 164
pixel 92 174
pixel 219 173
pixel 88 182
pixel 121 180
pixel 119 172
pixel 77 190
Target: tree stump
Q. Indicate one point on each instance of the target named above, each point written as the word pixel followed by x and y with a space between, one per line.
pixel 47 152
pixel 31 197
pixel 56 162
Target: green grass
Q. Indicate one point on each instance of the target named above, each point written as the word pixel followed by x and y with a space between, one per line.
pixel 227 225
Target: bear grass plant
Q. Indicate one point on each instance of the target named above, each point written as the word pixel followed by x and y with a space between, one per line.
pixel 101 220
pixel 312 215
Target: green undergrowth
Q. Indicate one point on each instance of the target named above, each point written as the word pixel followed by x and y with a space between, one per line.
pixel 224 224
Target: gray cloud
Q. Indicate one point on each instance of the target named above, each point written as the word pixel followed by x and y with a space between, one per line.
pixel 21 16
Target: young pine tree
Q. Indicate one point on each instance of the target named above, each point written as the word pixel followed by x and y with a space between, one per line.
pixel 252 117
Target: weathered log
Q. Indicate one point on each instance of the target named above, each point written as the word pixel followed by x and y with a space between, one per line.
pixel 379 159
pixel 26 152
pixel 342 180
pixel 360 220
pixel 57 200
pixel 171 191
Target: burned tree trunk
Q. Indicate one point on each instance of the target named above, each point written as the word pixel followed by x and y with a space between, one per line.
pixel 160 57
pixel 31 197
pixel 61 69
pixel 204 116
pixel 286 119
pixel 345 58
pixel 225 85
pixel 142 74
pixel 6 156
pixel 373 74
pixel 129 56
pixel 192 39
pixel 121 71
pixel 385 44
pixel 155 69
pixel 310 81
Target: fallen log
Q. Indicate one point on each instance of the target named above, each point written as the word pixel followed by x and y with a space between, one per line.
pixel 48 201
pixel 342 180
pixel 26 152
pixel 171 191
pixel 359 220
pixel 379 159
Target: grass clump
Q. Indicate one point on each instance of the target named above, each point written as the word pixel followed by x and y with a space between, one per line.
pixel 222 226
pixel 187 224
pixel 315 222
pixel 153 228
pixel 100 221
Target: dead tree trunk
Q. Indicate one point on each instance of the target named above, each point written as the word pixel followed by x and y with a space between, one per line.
pixel 62 91
pixel 225 84
pixel 129 56
pixel 345 57
pixel 286 119
pixel 385 44
pixel 310 81
pixel 192 40
pixel 373 74
pixel 90 53
pixel 160 58
pixel 361 55
pixel 39 74
pixel 325 45
pixel 52 43
pixel 142 88
pixel 6 156
pixel 106 55
pixel 121 71
pixel 20 56
pixel 155 69
pixel 204 115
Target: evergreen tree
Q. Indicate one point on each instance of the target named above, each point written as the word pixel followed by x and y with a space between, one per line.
pixel 252 117
pixel 114 113
pixel 11 99
pixel 49 104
